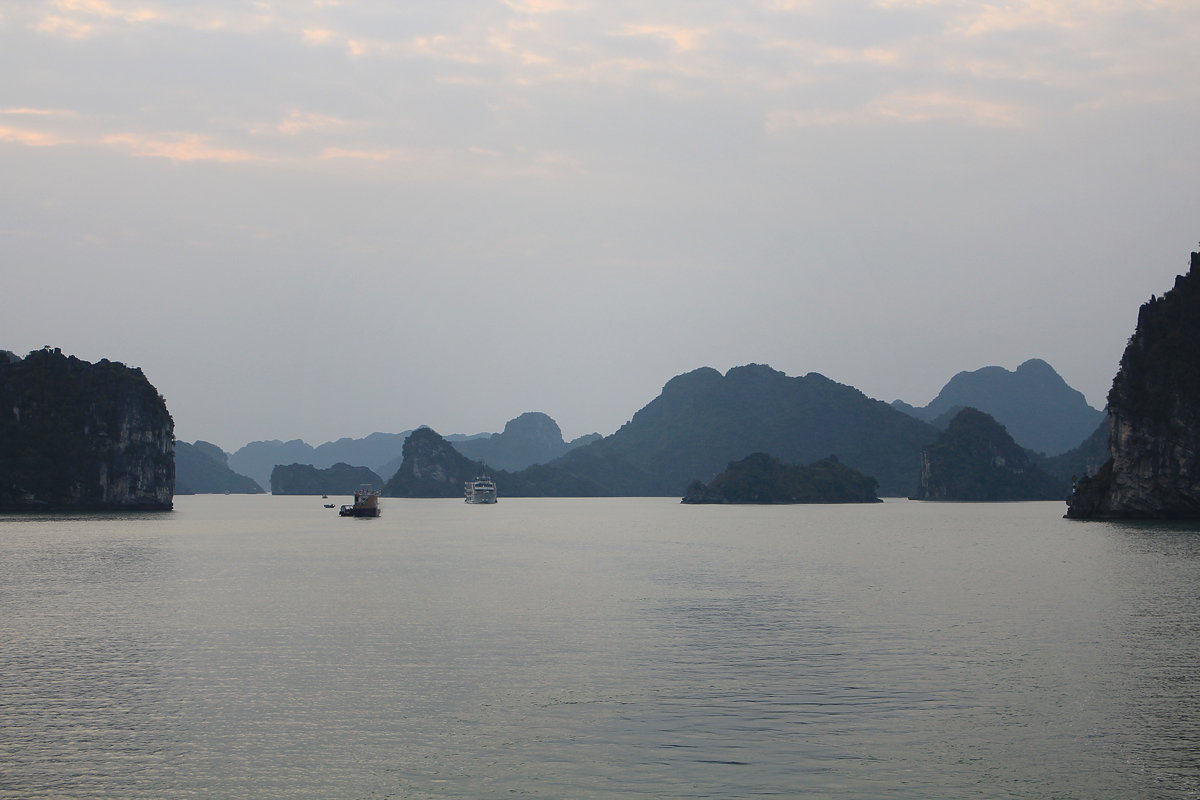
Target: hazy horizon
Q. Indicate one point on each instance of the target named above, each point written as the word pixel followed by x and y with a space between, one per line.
pixel 323 219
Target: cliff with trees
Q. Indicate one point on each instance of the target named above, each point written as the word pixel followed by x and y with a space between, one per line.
pixel 79 435
pixel 1154 408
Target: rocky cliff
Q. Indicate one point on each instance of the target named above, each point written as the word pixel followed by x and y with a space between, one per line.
pixel 83 436
pixel 976 460
pixel 1154 408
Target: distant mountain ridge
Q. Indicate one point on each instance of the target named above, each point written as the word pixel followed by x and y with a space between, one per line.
pixel 532 438
pixel 258 459
pixel 1037 407
pixel 203 468
pixel 338 479
pixel 702 420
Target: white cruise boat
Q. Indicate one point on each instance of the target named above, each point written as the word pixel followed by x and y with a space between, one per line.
pixel 481 490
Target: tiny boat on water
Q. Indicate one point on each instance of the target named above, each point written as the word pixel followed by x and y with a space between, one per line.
pixel 329 505
pixel 366 504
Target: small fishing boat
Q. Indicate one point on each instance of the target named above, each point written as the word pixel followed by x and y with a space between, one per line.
pixel 366 504
pixel 329 505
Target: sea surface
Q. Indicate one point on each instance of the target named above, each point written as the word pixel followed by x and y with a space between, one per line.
pixel 262 647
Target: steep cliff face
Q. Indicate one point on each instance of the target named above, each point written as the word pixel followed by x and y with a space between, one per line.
pixel 1154 406
pixel 81 435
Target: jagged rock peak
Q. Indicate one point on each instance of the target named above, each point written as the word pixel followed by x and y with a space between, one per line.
pixel 1154 406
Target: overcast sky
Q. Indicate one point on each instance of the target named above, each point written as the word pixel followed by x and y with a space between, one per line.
pixel 322 219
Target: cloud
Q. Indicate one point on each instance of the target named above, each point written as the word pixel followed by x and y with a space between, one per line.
pixel 178 147
pixel 30 138
pixel 298 121
pixel 906 107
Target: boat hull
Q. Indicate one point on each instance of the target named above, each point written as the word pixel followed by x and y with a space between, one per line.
pixel 351 511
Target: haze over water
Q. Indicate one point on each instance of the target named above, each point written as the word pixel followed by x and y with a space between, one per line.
pixel 262 647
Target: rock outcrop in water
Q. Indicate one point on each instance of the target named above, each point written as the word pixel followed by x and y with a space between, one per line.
pixel 762 479
pixel 1154 407
pixel 976 460
pixel 75 435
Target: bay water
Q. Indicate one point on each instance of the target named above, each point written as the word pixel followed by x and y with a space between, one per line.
pixel 262 647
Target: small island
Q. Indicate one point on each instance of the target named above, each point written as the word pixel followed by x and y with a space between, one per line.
pixel 763 479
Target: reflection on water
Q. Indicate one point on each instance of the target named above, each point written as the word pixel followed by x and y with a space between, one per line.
pixel 263 647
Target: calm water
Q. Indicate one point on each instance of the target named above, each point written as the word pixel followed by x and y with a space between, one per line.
pixel 262 647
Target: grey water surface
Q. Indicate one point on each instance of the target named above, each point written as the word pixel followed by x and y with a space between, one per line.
pixel 262 647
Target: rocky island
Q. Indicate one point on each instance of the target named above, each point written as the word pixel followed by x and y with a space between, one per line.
pixel 1154 409
pixel 975 459
pixel 762 479
pixel 76 435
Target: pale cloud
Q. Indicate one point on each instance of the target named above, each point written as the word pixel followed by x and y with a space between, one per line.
pixel 43 112
pixel 65 26
pixel 299 121
pixel 905 107
pixel 681 37
pixel 77 19
pixel 543 6
pixel 180 147
pixel 926 106
pixel 30 138
pixel 369 155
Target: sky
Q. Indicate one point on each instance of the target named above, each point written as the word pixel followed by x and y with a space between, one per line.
pixel 323 219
